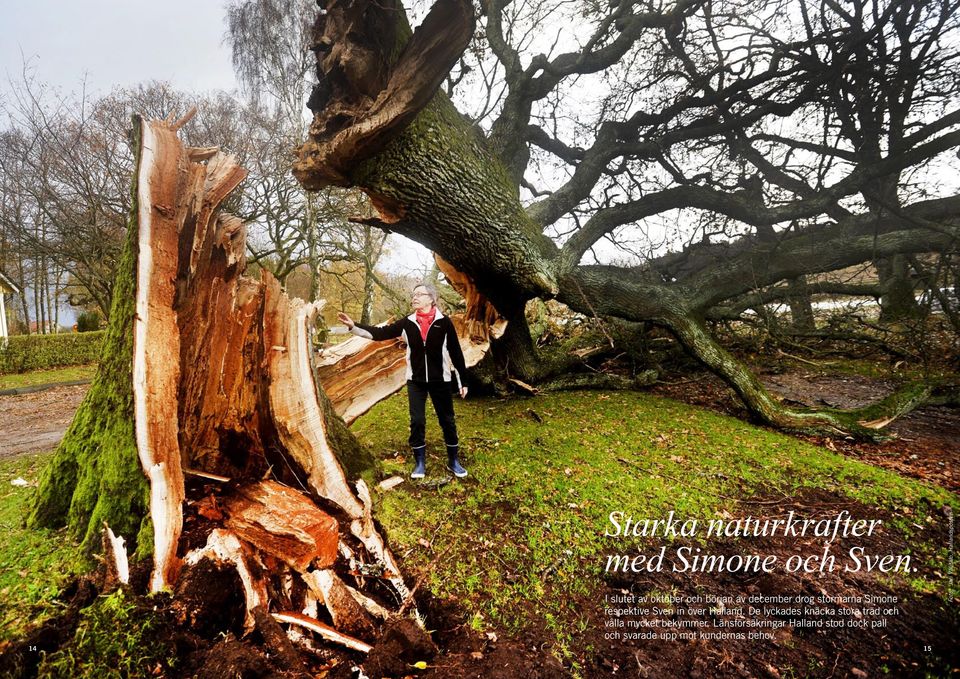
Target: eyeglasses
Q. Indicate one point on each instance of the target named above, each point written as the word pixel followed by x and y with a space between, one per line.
pixel 420 294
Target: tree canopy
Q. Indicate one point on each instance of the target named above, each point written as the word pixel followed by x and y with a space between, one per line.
pixel 672 164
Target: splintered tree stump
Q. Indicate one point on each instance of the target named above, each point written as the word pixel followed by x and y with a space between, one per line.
pixel 281 522
pixel 224 388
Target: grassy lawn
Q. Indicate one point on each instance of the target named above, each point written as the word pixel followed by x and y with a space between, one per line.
pixel 524 536
pixel 51 376
pixel 33 563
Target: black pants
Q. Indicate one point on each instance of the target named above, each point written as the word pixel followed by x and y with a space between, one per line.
pixel 441 393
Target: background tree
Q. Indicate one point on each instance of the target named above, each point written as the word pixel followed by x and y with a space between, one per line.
pixel 66 165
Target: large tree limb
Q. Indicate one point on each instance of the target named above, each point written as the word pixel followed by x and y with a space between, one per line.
pixel 746 208
pixel 767 265
pixel 442 184
pixel 364 99
pixel 735 307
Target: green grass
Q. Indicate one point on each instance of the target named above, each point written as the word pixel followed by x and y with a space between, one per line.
pixel 33 563
pixel 523 536
pixel 51 376
pixel 117 637
pixel 522 539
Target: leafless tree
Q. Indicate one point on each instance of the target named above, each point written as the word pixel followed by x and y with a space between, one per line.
pixel 728 147
pixel 270 42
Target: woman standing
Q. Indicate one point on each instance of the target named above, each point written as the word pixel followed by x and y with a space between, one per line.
pixel 435 366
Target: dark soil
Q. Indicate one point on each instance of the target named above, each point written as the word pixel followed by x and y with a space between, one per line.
pixel 926 444
pixel 202 628
pixel 468 654
pixel 21 659
pixel 206 646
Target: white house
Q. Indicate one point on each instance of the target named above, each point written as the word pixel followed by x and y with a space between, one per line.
pixel 7 286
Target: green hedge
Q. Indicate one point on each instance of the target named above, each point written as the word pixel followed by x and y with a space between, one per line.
pixel 36 352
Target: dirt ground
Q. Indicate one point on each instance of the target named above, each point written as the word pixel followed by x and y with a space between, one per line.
pixel 37 421
pixel 926 443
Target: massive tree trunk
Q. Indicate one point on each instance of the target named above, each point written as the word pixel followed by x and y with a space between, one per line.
pixel 380 124
pixel 210 375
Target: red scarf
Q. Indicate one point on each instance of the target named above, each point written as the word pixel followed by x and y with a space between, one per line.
pixel 425 321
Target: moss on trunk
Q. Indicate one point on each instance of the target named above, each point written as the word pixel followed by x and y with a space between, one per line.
pixel 438 171
pixel 95 475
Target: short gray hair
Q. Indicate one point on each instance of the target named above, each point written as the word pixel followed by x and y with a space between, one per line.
pixel 432 291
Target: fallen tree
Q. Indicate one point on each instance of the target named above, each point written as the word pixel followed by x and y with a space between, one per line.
pixel 434 176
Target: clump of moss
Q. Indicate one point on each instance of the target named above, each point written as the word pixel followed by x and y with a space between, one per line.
pixel 118 636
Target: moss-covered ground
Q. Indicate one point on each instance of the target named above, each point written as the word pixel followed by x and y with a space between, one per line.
pixel 523 536
pixel 118 636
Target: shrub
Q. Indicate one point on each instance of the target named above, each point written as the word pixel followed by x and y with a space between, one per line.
pixel 36 352
pixel 88 321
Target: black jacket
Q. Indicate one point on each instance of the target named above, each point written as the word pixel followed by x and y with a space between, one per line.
pixel 427 361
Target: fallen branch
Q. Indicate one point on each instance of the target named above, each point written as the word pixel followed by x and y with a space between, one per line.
pixel 119 551
pixel 325 631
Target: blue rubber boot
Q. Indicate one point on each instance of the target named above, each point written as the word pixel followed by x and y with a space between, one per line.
pixel 453 464
pixel 420 467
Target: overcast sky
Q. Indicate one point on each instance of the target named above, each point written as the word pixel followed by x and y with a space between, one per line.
pixel 116 43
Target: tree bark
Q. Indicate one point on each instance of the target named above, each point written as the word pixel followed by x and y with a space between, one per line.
pixel 208 373
pixel 897 301
pixel 801 310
